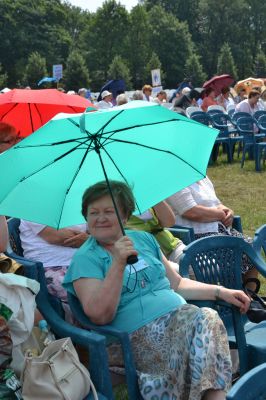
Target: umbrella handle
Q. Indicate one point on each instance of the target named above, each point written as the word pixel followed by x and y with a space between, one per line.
pixel 132 260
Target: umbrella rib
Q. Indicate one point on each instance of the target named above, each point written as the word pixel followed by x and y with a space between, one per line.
pixel 38 112
pixel 11 109
pixel 52 162
pixel 73 179
pixel 119 171
pixel 32 129
pixel 108 122
pixel 155 148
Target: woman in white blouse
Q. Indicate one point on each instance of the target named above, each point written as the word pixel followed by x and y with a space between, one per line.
pixel 197 206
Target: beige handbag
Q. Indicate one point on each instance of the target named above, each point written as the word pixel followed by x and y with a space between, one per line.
pixel 56 374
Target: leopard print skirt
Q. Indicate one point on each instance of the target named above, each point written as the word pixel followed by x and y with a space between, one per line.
pixel 180 355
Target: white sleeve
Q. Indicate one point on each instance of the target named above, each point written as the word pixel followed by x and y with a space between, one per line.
pixel 181 201
pixel 34 227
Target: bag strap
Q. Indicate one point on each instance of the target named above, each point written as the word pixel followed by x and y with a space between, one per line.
pixel 78 365
pixel 252 280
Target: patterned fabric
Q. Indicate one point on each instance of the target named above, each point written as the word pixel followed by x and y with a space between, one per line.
pixel 54 278
pixel 247 265
pixel 180 355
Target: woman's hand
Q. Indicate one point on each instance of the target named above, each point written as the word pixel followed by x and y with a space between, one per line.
pixel 227 220
pixel 122 249
pixel 235 297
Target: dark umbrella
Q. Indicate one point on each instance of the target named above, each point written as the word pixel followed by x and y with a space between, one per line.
pixel 115 86
pixel 218 82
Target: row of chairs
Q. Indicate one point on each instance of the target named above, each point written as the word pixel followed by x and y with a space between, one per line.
pixel 224 251
pixel 237 129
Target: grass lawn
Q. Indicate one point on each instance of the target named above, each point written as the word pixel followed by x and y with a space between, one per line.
pixel 243 190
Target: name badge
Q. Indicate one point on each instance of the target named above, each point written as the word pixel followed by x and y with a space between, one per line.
pixel 141 264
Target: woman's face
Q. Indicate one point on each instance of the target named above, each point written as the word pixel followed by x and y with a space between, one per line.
pixel 102 220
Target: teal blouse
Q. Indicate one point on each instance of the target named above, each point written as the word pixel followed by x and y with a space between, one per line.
pixel 146 293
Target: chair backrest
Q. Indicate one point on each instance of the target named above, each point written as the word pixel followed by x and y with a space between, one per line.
pixel 214 111
pixel 251 386
pixel 201 117
pixel 259 241
pixel 192 109
pixel 245 127
pixel 111 332
pixel 220 121
pixel 218 260
pixel 216 107
pixel 238 114
pixel 258 114
pixel 261 122
pixel 14 238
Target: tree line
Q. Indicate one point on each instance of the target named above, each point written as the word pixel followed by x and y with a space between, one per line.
pixel 184 38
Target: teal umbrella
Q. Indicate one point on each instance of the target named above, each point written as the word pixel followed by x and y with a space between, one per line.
pixel 156 151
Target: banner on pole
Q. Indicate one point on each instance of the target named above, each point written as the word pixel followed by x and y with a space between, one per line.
pixel 58 72
pixel 156 77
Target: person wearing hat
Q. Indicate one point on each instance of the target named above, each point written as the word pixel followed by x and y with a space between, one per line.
pixel 106 101
pixel 146 90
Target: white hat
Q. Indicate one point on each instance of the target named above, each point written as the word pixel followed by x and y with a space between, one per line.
pixel 186 90
pixel 105 93
pixel 5 90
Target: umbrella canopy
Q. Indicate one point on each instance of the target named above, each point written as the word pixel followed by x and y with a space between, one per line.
pixel 153 149
pixel 248 84
pixel 218 82
pixel 28 109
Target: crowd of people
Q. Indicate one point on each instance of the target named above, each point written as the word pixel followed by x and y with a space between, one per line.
pixel 179 349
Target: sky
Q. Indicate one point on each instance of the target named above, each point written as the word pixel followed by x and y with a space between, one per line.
pixel 92 5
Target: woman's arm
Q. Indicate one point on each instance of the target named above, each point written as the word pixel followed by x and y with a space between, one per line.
pixel 100 298
pixel 205 214
pixel 164 214
pixel 3 233
pixel 194 290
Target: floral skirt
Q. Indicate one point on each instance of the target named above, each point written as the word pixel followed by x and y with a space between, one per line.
pixel 180 355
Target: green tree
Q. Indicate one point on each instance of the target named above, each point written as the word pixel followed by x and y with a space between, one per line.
pixel 3 77
pixel 119 70
pixel 171 41
pixel 153 63
pixel 35 70
pixel 226 64
pixel 194 70
pixel 139 49
pixel 104 38
pixel 260 65
pixel 76 74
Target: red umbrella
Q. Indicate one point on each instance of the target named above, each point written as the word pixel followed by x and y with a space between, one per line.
pixel 28 110
pixel 218 82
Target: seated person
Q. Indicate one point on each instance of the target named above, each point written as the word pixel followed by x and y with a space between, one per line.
pixel 154 221
pixel 8 136
pixel 225 99
pixel 187 99
pixel 181 351
pixel 209 99
pixel 197 206
pixel 54 249
pixel 3 234
pixel 249 105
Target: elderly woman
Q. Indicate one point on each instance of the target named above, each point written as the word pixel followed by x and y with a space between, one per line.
pixel 197 206
pixel 180 350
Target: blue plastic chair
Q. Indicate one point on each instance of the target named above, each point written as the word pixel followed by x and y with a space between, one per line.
pixel 258 114
pixel 111 333
pixel 259 241
pixel 93 343
pixel 245 127
pixel 186 234
pixel 222 122
pixel 251 386
pixel 201 117
pixel 218 260
pixel 237 115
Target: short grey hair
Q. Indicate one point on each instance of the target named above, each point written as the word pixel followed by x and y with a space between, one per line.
pixel 137 95
pixel 121 99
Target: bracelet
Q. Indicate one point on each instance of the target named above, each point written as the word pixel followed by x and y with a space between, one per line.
pixel 217 293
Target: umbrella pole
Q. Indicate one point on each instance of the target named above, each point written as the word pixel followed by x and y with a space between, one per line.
pixel 131 259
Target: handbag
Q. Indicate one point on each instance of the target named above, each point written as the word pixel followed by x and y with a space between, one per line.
pixel 56 374
pixel 257 309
